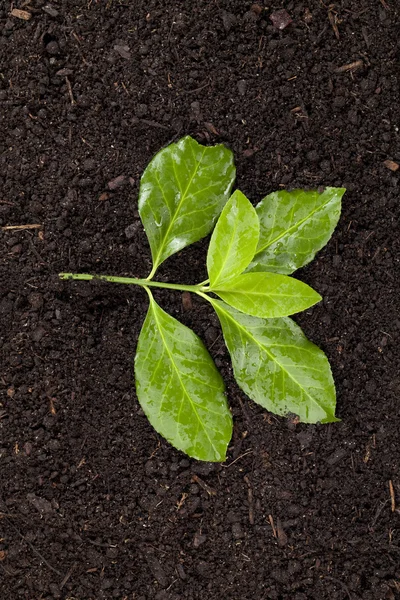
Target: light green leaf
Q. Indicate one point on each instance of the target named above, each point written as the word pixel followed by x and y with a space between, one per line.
pixel 180 389
pixel 277 367
pixel 267 294
pixel 294 226
pixel 182 192
pixel 234 240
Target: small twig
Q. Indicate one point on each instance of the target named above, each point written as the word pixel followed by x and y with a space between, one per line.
pixel 68 575
pixel 271 520
pixel 377 514
pixel 282 537
pixel 202 87
pixel 385 5
pixel 69 88
pixel 42 558
pixel 33 226
pixel 36 253
pixel 236 459
pixel 357 64
pixel 154 124
pixel 214 342
pixel 203 485
pixel 21 14
pixel 87 143
pixel 250 499
pixel 181 502
pixel 392 496
pixel 332 16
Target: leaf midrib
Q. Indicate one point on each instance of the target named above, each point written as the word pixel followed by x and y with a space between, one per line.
pixel 256 293
pixel 159 326
pixel 178 208
pixel 271 356
pixel 292 228
pixel 227 255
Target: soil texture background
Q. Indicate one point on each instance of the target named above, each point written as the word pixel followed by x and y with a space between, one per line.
pixel 93 503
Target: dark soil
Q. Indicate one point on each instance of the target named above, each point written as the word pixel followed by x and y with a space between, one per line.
pixel 94 504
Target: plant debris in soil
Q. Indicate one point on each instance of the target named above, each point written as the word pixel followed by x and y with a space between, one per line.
pixel 93 504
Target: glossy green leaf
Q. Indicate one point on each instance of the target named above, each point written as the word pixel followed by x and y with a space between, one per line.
pixel 267 294
pixel 294 226
pixel 182 192
pixel 277 367
pixel 180 389
pixel 234 240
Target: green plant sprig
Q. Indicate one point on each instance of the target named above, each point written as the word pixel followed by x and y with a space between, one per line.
pixel 185 191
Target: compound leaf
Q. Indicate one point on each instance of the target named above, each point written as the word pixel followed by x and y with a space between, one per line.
pixel 180 389
pixel 294 226
pixel 234 240
pixel 277 367
pixel 267 294
pixel 182 192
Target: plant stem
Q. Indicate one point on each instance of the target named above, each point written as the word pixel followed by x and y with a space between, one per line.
pixel 152 272
pixel 132 281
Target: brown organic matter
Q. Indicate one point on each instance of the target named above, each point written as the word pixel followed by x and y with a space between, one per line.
pixel 93 503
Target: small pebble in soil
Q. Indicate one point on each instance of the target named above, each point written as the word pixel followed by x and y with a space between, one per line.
pixel 228 20
pixel 35 300
pixel 50 10
pixel 52 48
pixel 280 19
pixel 242 86
pixel 131 230
pixel 116 183
pixel 199 539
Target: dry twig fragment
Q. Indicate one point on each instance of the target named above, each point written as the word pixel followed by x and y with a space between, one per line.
pixel 21 14
pixel 210 491
pixel 392 496
pixel 33 226
pixel 350 67
pixel 390 164
pixel 333 19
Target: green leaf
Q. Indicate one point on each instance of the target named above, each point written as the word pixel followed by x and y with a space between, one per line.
pixel 277 367
pixel 294 226
pixel 267 294
pixel 182 192
pixel 180 389
pixel 234 240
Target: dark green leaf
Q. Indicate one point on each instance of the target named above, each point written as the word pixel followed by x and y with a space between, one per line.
pixel 234 240
pixel 277 367
pixel 267 294
pixel 180 389
pixel 294 226
pixel 182 192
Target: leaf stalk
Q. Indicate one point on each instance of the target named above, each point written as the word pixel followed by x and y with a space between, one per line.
pixel 196 289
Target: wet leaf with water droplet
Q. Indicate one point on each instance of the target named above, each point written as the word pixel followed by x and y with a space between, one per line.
pixel 277 367
pixel 294 226
pixel 182 192
pixel 180 389
pixel 234 240
pixel 267 294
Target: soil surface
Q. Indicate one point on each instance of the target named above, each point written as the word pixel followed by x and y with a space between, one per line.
pixel 93 503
